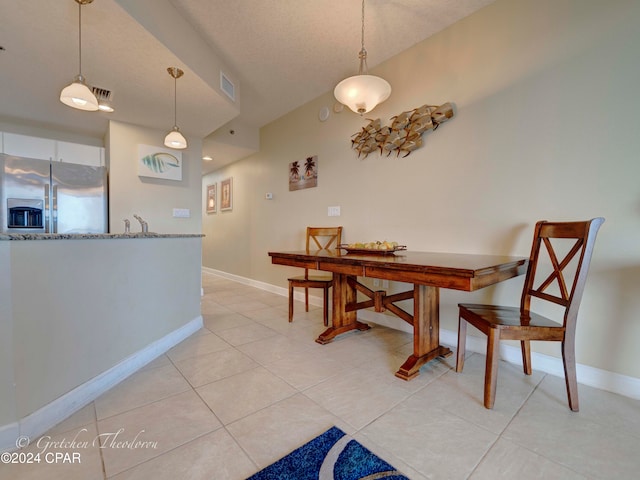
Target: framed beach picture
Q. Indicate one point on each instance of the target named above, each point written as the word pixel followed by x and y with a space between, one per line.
pixel 226 194
pixel 159 162
pixel 303 173
pixel 211 198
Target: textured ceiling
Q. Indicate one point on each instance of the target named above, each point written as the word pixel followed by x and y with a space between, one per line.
pixel 279 53
pixel 291 51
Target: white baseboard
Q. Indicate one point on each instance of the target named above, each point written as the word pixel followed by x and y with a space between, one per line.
pixel 255 283
pixel 62 407
pixel 591 376
pixel 8 436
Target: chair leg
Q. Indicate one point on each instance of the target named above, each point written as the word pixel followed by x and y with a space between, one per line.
pixel 570 378
pixel 290 302
pixel 491 369
pixel 326 307
pixel 525 345
pixel 306 299
pixel 462 339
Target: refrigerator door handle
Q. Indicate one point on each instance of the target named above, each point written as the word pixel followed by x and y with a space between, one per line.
pixel 54 213
pixel 46 209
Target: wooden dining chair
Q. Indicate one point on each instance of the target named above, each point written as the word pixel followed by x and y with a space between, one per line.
pixel 568 276
pixel 318 238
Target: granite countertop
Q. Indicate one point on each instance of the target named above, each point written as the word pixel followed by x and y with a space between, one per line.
pixel 93 236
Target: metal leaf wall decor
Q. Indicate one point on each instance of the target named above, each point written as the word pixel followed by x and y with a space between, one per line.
pixel 405 133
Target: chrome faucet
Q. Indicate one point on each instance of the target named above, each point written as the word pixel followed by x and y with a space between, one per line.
pixel 127 226
pixel 144 225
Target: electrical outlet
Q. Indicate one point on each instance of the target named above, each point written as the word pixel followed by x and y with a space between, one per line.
pixel 376 282
pixel 333 212
pixel 385 283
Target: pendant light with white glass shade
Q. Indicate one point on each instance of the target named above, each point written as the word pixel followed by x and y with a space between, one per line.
pixel 174 138
pixel 78 94
pixel 362 92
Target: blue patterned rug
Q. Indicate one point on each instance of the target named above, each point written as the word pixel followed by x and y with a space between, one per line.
pixel 331 456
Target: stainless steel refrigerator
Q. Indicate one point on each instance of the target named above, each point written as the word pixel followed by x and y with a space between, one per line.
pixel 39 196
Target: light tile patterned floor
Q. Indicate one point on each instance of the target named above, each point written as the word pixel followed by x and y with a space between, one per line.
pixel 250 387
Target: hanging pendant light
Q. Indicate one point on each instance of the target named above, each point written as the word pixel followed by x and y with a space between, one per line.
pixel 174 138
pixel 362 92
pixel 78 94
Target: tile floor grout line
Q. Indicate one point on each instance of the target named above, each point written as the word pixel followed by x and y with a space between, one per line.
pixel 499 435
pixel 235 440
pixel 145 404
pixel 483 457
pixel 223 425
pixel 95 420
pixel 176 446
pixel 524 402
pixel 520 445
pixel 168 451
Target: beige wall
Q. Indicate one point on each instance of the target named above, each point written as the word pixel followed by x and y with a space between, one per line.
pixel 151 198
pixel 545 128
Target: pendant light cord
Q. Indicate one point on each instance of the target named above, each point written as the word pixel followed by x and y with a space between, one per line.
pixel 176 73
pixel 362 37
pixel 175 102
pixel 80 38
pixel 364 69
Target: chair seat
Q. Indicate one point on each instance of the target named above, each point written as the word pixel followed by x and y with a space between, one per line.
pixel 509 318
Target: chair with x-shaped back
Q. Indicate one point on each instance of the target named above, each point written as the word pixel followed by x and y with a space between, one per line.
pixel 318 238
pixel 512 323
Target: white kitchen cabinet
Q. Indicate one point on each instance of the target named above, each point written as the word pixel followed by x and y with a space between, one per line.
pixel 48 149
pixel 78 153
pixel 27 146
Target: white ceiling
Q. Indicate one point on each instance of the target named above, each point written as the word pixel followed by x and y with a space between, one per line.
pixel 279 54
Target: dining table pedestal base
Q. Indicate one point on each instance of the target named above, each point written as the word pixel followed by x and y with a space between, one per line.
pixel 332 332
pixel 426 331
pixel 410 369
pixel 343 319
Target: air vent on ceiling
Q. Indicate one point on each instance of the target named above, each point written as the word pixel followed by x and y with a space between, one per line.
pixel 101 93
pixel 104 99
pixel 227 87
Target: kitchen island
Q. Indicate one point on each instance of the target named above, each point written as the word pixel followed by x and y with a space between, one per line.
pixel 81 312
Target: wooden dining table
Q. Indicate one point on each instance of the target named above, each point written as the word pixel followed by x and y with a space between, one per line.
pixel 427 271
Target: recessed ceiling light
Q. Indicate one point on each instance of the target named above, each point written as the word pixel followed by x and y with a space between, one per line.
pixel 207 158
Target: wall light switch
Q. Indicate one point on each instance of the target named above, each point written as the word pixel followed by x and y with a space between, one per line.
pixel 333 212
pixel 181 213
pixel 268 196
